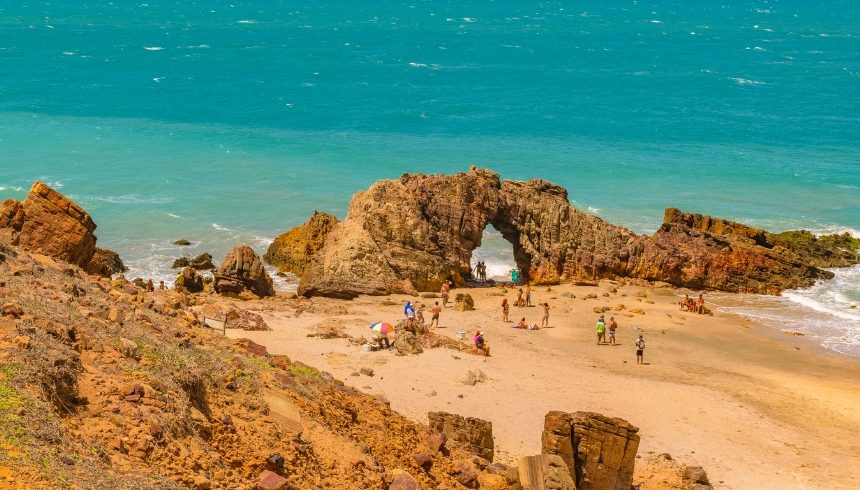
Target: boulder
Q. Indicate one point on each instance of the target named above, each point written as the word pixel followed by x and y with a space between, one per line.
pixel 696 479
pixel 190 280
pixel 473 435
pixel 242 271
pixel 202 262
pixel 420 230
pixel 48 223
pixel 404 481
pixel 407 343
pixel 464 302
pixel 292 251
pixel 105 263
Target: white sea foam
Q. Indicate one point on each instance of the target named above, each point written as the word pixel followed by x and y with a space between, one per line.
pixel 153 48
pixel 5 187
pixel 469 19
pixel 746 81
pixel 221 228
pixel 246 21
pixel 592 209
pixel 133 199
pixel 174 216
pixel 417 65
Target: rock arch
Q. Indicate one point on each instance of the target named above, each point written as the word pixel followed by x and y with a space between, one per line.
pixel 415 232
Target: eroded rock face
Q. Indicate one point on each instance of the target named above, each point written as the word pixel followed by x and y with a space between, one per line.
pixel 604 451
pixel 544 472
pixel 470 434
pixel 48 223
pixel 189 280
pixel 292 251
pixel 242 271
pixel 420 230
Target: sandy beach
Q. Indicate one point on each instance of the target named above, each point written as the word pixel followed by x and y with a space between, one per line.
pixel 757 408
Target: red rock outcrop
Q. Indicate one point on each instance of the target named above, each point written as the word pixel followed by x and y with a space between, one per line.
pixel 48 223
pixel 420 230
pixel 598 452
pixel 292 251
pixel 242 271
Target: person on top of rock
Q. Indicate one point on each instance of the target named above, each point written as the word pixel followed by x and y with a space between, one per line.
pixel 613 325
pixel 161 285
pixel 601 331
pixel 149 286
pixel 640 350
pixel 436 310
pixel 506 309
pixel 409 310
pixel 545 322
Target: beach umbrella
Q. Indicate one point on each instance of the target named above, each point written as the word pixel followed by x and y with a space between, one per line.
pixel 381 327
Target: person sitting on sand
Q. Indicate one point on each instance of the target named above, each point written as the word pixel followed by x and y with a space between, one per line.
pixel 601 331
pixel 480 343
pixel 545 322
pixel 700 304
pixel 613 325
pixel 522 324
pixel 687 303
pixel 640 350
pixel 506 309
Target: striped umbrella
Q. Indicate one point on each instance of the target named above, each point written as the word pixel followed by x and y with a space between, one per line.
pixel 381 327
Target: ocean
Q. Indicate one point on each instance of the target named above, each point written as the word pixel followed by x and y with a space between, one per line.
pixel 228 123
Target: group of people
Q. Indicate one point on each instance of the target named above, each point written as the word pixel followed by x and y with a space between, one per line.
pixel 524 297
pixel 506 311
pixel 693 306
pixel 481 272
pixel 612 327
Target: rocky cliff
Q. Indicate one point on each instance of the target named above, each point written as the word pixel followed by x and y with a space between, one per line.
pixel 415 232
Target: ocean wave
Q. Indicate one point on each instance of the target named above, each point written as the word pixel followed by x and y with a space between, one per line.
pixel 14 188
pixel 592 209
pixel 221 228
pixel 246 21
pixel 174 216
pixel 153 48
pixel 133 199
pixel 821 307
pixel 417 65
pixel 746 81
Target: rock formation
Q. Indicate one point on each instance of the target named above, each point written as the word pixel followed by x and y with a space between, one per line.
pixel 105 263
pixel 202 262
pixel 292 251
pixel 475 436
pixel 48 223
pixel 189 280
pixel 544 472
pixel 242 271
pixel 420 230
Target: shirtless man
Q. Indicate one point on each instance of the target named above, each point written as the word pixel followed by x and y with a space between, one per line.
pixel 436 310
pixel 613 325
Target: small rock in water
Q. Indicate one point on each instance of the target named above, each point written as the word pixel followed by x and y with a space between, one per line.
pixel 182 243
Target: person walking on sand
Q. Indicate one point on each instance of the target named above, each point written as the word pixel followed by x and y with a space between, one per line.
pixel 545 322
pixel 640 350
pixel 601 331
pixel 506 310
pixel 613 325
pixel 436 310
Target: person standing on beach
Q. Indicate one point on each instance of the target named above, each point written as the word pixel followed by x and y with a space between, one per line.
pixel 484 271
pixel 519 298
pixel 640 350
pixel 613 325
pixel 506 309
pixel 446 287
pixel 601 331
pixel 436 310
pixel 545 322
pixel 528 295
pixel 478 272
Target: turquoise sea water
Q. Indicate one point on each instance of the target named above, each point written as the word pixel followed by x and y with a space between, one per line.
pixel 230 123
